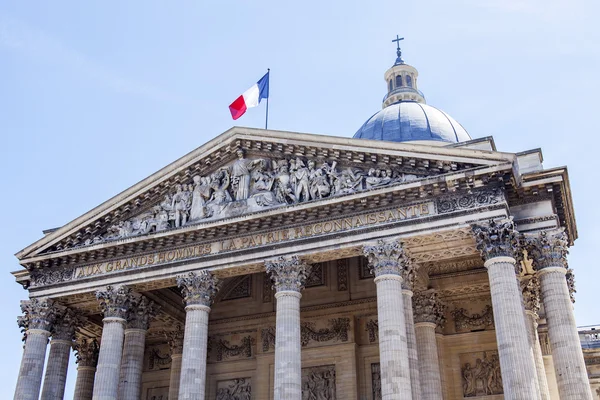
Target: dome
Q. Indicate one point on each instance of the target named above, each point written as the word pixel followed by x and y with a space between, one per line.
pixel 407 121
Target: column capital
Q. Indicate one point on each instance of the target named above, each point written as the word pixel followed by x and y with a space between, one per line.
pixel 86 352
pixel 496 239
pixel 570 275
pixel 547 248
pixel 530 287
pixel 288 274
pixel 115 301
pixel 427 307
pixel 67 322
pixel 175 339
pixel 198 288
pixel 141 311
pixel 387 258
pixel 37 314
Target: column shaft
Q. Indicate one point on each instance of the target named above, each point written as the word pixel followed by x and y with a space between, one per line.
pixel 516 360
pixel 130 376
pixel 84 384
pixel 538 359
pixel 106 383
pixel 393 347
pixel 429 365
pixel 193 363
pixel 288 378
pixel 56 370
pixel 32 365
pixel 175 376
pixel 571 374
pixel 411 342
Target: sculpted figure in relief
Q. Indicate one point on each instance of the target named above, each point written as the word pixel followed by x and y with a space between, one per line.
pixel 240 175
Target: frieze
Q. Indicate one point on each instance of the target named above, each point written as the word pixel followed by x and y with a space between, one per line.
pixel 226 350
pixel 234 389
pixel 481 374
pixel 482 198
pixel 337 331
pixel 463 320
pixel 318 383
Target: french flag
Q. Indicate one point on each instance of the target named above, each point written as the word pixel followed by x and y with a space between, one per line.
pixel 251 97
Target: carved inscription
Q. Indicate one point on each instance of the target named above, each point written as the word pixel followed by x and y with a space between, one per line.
pixel 481 374
pixel 318 383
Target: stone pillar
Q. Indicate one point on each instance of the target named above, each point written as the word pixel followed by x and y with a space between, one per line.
pixel 114 302
pixel 289 276
pixel 497 242
pixel 388 261
pixel 36 322
pixel 140 311
pixel 198 290
pixel 429 314
pixel 531 299
pixel 175 338
pixel 86 352
pixel 548 251
pixel 411 340
pixel 63 334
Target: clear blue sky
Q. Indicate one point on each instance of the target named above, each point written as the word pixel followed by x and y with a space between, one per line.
pixel 96 95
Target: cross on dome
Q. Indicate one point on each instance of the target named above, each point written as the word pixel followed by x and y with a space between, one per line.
pixel 398 51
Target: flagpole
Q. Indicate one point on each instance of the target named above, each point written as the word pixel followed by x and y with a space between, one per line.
pixel 267 113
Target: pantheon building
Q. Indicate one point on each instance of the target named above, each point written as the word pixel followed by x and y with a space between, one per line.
pixel 409 262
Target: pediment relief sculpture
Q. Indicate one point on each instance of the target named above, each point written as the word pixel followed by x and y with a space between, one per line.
pixel 251 185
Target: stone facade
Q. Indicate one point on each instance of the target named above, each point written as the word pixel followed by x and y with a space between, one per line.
pixel 272 265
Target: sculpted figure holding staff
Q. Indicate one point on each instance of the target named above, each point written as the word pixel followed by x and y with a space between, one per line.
pixel 240 175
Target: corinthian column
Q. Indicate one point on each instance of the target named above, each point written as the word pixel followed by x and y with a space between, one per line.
pixel 87 359
pixel 198 290
pixel 531 299
pixel 140 311
pixel 408 281
pixel 63 334
pixel 289 276
pixel 429 314
pixel 114 302
pixel 548 251
pixel 388 261
pixel 497 242
pixel 175 338
pixel 36 322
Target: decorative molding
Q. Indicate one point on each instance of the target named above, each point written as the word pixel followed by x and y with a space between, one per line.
pixel 481 374
pixel 288 274
pixel 570 277
pixel 198 288
pixel 372 328
pixel 441 268
pixel 530 288
pixel 157 360
pixel 234 389
pixel 490 196
pixel 241 288
pixel 115 301
pixel 226 350
pixel 364 272
pixel 376 381
pixel 463 320
pixel 342 274
pixel 337 330
pixel 319 383
pixel 267 293
pixel 317 275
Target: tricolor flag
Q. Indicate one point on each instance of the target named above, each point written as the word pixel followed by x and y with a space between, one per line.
pixel 251 97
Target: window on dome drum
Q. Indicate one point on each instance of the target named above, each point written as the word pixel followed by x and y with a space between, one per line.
pixel 408 81
pixel 391 85
pixel 399 81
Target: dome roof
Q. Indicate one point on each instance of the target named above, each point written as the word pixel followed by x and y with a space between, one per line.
pixel 406 121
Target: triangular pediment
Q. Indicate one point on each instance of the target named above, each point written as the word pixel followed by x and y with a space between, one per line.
pixel 246 171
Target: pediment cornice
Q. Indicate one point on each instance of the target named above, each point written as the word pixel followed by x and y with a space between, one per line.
pixel 435 170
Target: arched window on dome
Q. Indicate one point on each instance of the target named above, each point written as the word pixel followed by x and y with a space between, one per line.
pixel 391 85
pixel 408 80
pixel 398 80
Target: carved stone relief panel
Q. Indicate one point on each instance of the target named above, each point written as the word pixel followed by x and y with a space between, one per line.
pixel 159 393
pixel 234 389
pixel 317 276
pixel 158 358
pixel 241 289
pixel 233 346
pixel 372 328
pixel 333 330
pixel 376 381
pixel 267 291
pixel 480 374
pixel 473 317
pixel 318 383
pixel 342 274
